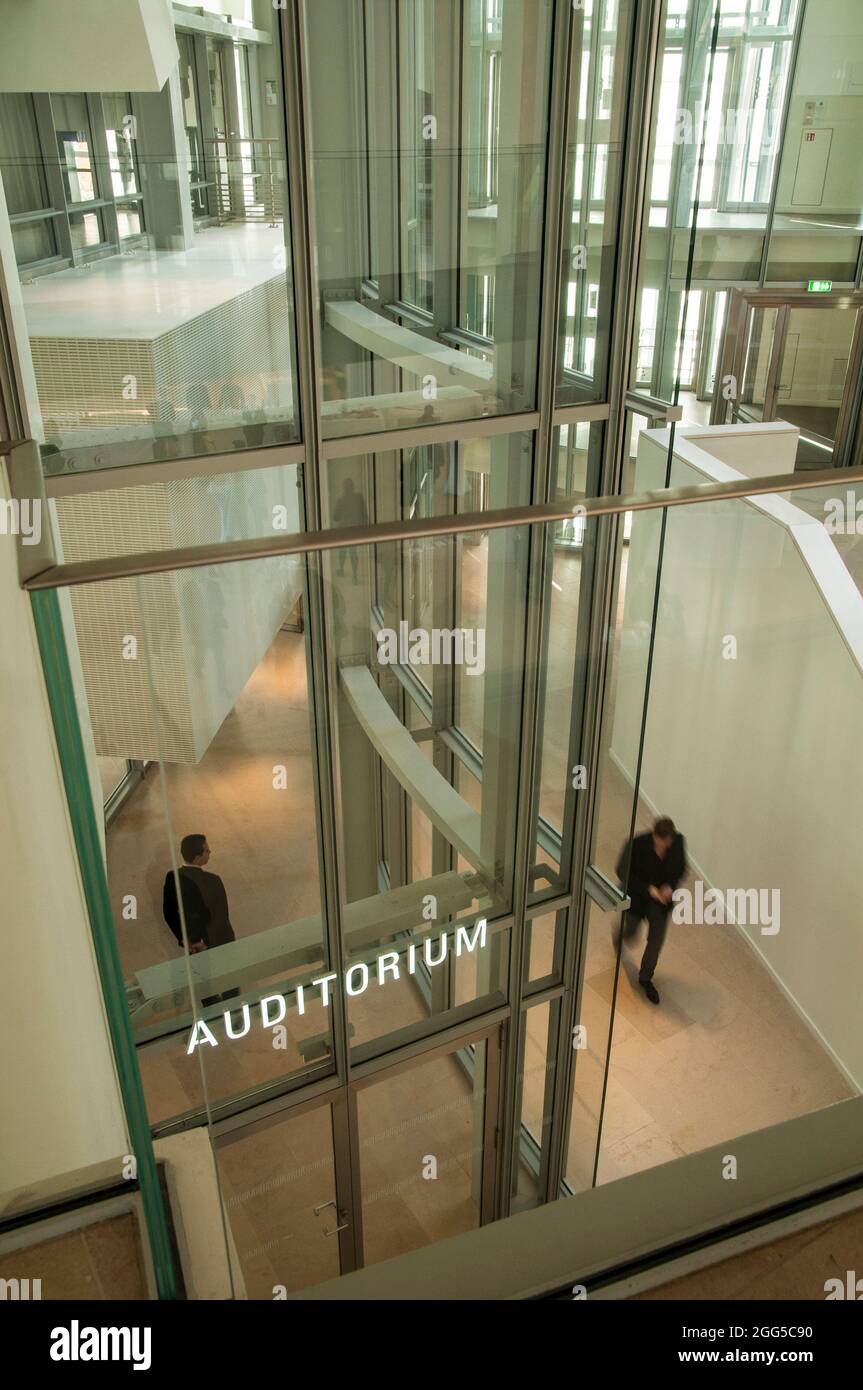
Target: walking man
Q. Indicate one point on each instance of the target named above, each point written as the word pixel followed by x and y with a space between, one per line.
pixel 657 863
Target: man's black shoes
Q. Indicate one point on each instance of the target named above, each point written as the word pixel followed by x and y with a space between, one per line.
pixel 650 990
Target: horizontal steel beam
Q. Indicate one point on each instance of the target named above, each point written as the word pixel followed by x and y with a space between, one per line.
pixel 423 528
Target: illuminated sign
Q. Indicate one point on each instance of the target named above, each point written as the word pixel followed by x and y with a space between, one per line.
pixel 820 286
pixel 356 980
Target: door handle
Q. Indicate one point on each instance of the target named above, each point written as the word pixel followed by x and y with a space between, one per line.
pixel 340 1214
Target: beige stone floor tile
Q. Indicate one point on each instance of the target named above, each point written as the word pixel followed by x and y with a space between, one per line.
pixel 796 1267
pixel 100 1261
pixel 644 1148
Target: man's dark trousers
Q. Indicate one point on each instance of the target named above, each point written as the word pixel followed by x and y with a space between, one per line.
pixel 657 925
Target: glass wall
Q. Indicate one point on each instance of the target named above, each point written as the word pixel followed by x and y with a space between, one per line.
pixel 752 1021
pixel 262 961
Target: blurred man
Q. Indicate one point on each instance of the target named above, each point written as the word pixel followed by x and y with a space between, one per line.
pixel 657 863
pixel 205 903
pixel 350 510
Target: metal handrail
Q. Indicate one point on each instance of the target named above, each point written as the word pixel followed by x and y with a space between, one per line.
pixel 421 528
pixel 228 149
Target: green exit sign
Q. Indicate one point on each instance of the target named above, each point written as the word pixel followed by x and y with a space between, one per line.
pixel 820 286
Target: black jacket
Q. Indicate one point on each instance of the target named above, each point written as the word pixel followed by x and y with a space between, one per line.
pixel 646 868
pixel 194 908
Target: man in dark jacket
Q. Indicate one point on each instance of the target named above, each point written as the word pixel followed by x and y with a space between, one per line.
pixel 350 510
pixel 656 865
pixel 205 903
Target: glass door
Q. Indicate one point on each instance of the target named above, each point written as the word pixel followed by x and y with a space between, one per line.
pixel 404 1157
pixel 757 389
pixel 794 357
pixel 285 1198
pixel 424 1145
pixel 812 378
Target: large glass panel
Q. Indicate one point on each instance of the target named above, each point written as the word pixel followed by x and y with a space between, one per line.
pixel 75 141
pixel 427 858
pixel 24 181
pixel 761 329
pixel 471 475
pixel 179 339
pixel 813 372
pixel 568 578
pixel 629 644
pixel 597 98
pixel 209 510
pixel 219 930
pixel 122 150
pixel 545 934
pixel 534 1105
pixel 429 126
pixel 754 960
pixel 590 1043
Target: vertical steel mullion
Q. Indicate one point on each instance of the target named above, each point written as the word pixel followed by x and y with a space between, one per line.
pixel 53 171
pixel 730 101
pixel 210 157
pixel 645 46
pixel 783 130
pixel 322 692
pixel 101 161
pixel 774 367
pixel 847 424
pixel 536 622
pixel 554 241
pixel 674 180
pixel 589 165
pixel 492 1129
pixel 347 1180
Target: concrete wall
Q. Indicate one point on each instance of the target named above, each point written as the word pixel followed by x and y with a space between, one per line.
pixel 757 759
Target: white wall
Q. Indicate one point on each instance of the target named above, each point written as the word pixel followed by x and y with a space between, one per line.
pixel 827 99
pixel 759 759
pixel 88 46
pixel 59 1095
